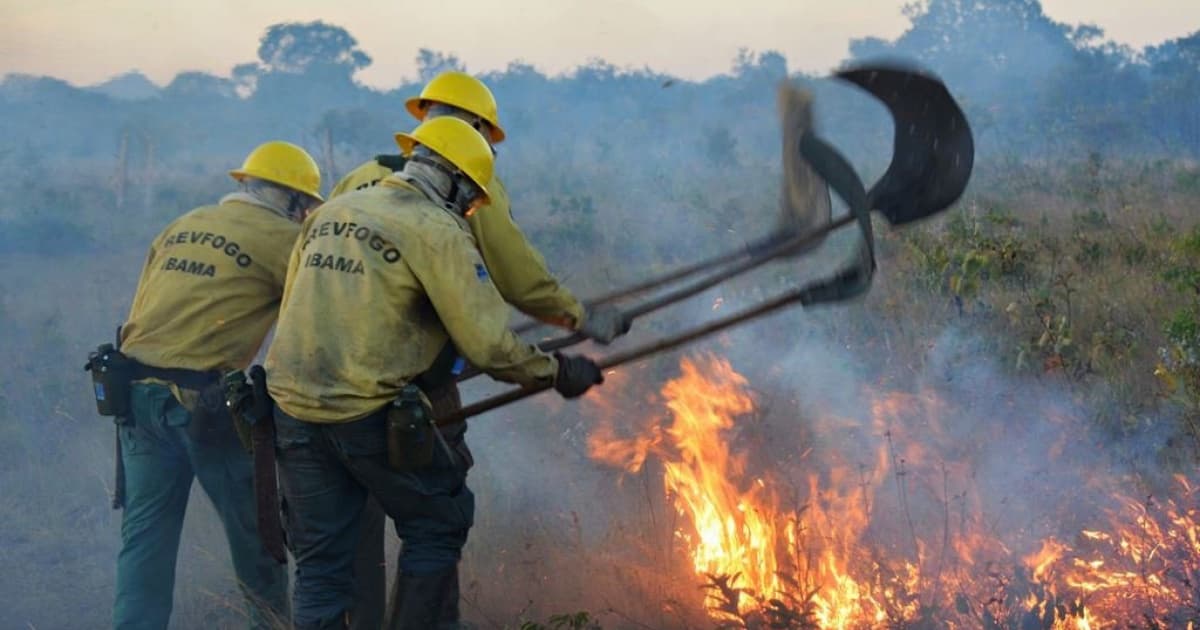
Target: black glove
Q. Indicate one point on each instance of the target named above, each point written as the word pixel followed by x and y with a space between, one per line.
pixel 604 323
pixel 576 375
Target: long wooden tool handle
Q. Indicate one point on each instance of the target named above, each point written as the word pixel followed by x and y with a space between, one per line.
pixel 690 290
pixel 667 278
pixel 774 252
pixel 634 354
pixel 683 293
pixel 832 167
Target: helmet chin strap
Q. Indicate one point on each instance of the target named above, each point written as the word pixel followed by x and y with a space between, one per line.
pixel 432 179
pixel 289 202
pixel 296 206
pixel 457 198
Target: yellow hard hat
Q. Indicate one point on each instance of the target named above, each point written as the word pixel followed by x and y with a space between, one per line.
pixel 457 142
pixel 282 163
pixel 462 91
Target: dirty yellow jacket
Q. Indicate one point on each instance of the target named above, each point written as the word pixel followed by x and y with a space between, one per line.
pixel 210 288
pixel 517 269
pixel 377 283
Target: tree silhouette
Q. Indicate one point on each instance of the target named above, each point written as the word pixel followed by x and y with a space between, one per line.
pixel 245 78
pixel 298 48
pixel 985 48
pixel 303 69
pixel 1031 86
pixel 770 65
pixel 431 63
pixel 199 85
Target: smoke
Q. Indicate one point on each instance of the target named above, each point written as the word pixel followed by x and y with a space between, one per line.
pixel 1024 449
pixel 613 175
pixel 949 444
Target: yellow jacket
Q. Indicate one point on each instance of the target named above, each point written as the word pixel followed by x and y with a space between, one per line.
pixel 517 269
pixel 378 282
pixel 210 288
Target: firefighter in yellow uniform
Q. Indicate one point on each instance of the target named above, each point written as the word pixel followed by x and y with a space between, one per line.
pixel 378 283
pixel 516 268
pixel 207 297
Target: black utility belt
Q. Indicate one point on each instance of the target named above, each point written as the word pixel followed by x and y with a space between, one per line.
pixel 113 372
pixel 187 379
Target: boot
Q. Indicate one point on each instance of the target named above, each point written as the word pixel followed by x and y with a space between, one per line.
pixel 426 602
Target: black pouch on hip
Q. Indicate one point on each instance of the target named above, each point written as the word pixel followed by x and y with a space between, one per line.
pixel 410 431
pixel 212 423
pixel 111 374
pixel 239 399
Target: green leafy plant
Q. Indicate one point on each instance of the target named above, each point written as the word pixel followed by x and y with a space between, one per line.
pixel 570 621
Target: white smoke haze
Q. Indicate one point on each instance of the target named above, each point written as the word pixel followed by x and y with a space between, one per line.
pixel 615 176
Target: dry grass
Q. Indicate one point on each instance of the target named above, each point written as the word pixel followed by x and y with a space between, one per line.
pixel 556 533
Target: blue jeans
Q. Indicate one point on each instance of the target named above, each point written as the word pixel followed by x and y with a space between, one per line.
pixel 326 472
pixel 162 455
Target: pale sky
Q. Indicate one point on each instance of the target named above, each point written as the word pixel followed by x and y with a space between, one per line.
pixel 87 41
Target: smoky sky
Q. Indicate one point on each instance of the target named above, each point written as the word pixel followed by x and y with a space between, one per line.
pixel 87 42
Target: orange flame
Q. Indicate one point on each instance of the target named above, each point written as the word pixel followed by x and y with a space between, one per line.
pixel 856 555
pixel 730 533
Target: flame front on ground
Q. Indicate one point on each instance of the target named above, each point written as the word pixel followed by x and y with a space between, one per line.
pixel 877 538
pixel 732 535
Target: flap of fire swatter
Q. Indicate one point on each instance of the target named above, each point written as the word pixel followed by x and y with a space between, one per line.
pixel 804 201
pixel 933 150
pixel 854 278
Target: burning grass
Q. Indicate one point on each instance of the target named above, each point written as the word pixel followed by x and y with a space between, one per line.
pixel 879 528
pixel 555 534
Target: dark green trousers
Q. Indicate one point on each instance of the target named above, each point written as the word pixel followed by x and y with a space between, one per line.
pixel 327 472
pixel 371 598
pixel 163 451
